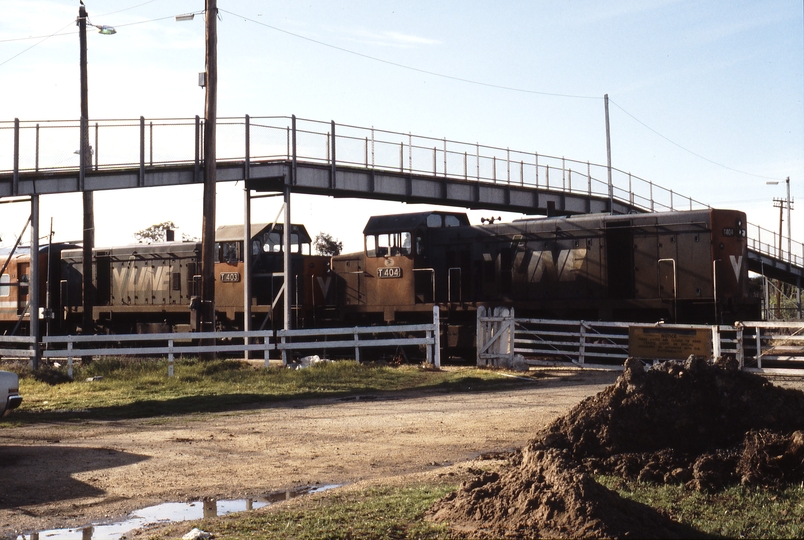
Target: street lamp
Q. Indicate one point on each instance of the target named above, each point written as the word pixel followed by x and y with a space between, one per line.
pixel 85 161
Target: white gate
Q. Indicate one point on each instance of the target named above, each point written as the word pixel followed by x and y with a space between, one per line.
pixel 495 336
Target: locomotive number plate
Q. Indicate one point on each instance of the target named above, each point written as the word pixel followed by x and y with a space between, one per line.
pixel 389 272
pixel 230 277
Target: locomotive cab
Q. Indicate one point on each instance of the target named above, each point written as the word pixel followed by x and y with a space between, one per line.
pixel 395 272
pixel 267 273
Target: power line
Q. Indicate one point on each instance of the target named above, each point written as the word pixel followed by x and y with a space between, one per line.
pixel 411 68
pixel 643 124
pixel 45 38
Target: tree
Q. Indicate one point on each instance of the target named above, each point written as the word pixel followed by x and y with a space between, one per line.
pixel 160 232
pixel 326 245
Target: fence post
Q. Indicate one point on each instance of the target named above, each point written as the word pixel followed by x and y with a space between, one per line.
pixel 436 338
pixel 357 346
pixel 70 359
pixel 480 334
pixel 715 341
pixel 284 352
pixel 582 346
pixel 428 335
pixel 170 358
pixel 759 347
pixel 511 338
pixel 740 348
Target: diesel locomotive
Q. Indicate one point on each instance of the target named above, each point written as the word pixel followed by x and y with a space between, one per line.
pixel 680 267
pixel 149 288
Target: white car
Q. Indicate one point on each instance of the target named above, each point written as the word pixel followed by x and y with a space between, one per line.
pixel 9 392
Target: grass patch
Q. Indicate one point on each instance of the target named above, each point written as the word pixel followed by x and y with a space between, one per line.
pixel 737 512
pixel 136 388
pixel 378 512
pixel 398 513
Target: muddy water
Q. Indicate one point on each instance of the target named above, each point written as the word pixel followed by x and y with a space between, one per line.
pixel 167 513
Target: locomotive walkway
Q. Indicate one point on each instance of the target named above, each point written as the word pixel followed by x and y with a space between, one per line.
pixel 338 160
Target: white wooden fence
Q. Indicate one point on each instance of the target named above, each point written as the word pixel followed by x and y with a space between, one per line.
pixel 502 339
pixel 194 343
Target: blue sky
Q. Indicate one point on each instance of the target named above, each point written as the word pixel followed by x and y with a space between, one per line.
pixel 706 96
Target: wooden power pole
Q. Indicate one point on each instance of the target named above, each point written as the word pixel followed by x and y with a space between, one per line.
pixel 85 162
pixel 210 170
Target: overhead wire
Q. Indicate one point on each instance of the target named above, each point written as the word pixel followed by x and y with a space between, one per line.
pixel 411 68
pixel 44 38
pixel 699 156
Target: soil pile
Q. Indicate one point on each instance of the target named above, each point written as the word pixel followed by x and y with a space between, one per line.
pixel 704 425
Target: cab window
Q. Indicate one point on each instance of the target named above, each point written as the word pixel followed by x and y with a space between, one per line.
pixel 228 252
pixel 388 245
pixel 272 242
pixel 5 290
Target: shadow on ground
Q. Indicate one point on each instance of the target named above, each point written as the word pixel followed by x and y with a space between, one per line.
pixel 28 477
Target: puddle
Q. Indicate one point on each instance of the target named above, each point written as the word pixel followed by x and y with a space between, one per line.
pixel 169 513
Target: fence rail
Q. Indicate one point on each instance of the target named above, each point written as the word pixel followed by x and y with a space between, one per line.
pixel 35 147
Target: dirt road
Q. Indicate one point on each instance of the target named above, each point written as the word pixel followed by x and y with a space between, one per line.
pixel 70 474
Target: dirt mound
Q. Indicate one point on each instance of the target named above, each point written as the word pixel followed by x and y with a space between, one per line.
pixel 691 422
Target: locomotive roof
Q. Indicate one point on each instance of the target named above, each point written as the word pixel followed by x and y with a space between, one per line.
pixel 233 233
pixel 407 222
pixel 667 217
pixel 43 248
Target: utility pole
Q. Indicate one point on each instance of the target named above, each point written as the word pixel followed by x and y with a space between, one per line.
pixel 781 204
pixel 210 170
pixel 789 229
pixel 85 161
pixel 608 154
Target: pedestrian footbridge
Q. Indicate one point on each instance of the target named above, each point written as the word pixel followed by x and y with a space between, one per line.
pixel 339 160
